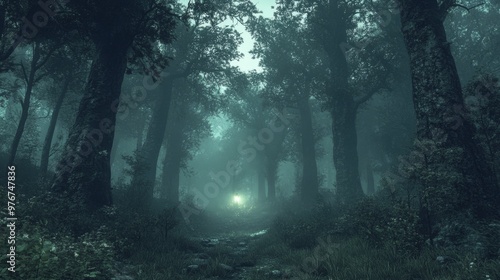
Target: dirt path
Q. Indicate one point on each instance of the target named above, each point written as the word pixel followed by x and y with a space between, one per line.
pixel 229 238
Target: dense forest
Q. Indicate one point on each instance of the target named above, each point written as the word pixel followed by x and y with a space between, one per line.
pixel 240 139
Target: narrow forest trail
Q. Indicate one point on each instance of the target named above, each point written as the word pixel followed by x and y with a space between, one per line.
pixel 228 239
pixel 224 245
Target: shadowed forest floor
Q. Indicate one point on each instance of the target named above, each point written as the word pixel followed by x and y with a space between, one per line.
pixel 286 241
pixel 246 245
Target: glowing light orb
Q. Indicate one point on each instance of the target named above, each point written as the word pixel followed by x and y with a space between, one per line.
pixel 237 199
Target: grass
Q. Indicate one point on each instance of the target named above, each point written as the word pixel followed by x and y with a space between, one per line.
pixel 357 259
pixel 338 258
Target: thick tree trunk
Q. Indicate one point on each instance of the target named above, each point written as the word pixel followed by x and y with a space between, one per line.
pixel 44 162
pixel 3 12
pixel 25 105
pixel 172 164
pixel 309 190
pixel 84 171
pixel 114 150
pixel 438 100
pixel 272 153
pixel 370 182
pixel 345 153
pixel 170 180
pixel 143 182
pixel 343 110
pixel 140 137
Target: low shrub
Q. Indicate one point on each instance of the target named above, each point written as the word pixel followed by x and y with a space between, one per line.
pixel 40 255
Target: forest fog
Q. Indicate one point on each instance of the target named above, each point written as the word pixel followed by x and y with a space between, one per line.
pixel 239 139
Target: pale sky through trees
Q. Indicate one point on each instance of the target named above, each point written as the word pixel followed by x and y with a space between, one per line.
pixel 247 63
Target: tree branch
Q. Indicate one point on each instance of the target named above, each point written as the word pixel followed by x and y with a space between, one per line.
pixel 365 98
pixel 445 7
pixel 25 75
pixel 467 8
pixel 46 58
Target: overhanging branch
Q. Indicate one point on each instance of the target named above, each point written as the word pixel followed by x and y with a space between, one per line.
pixel 467 8
pixel 446 5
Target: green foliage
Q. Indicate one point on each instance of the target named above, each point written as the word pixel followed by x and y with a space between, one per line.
pixel 372 219
pixel 127 230
pixel 296 226
pixel 482 97
pixel 381 223
pixel 428 181
pixel 63 215
pixel 433 171
pixel 358 259
pixel 402 229
pixel 369 220
pixel 136 196
pixel 40 255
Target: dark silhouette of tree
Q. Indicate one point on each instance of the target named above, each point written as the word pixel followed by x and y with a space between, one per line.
pixel 116 29
pixel 187 126
pixel 248 109
pixel 40 54
pixel 203 49
pixel 290 74
pixel 67 69
pixel 439 103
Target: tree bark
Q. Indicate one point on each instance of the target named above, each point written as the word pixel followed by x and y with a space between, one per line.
pixel 114 150
pixel 44 162
pixel 140 135
pixel 272 153
pixel 143 183
pixel 438 100
pixel 310 170
pixel 3 12
pixel 170 180
pixel 84 171
pixel 370 182
pixel 343 108
pixel 172 164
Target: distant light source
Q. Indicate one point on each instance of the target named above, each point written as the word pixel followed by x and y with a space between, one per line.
pixel 237 199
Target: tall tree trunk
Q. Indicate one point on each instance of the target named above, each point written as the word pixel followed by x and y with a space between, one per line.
pixel 343 108
pixel 25 105
pixel 143 182
pixel 345 150
pixel 140 136
pixel 261 188
pixel 309 186
pixel 272 153
pixel 172 163
pixel 84 171
pixel 370 182
pixel 3 12
pixel 44 162
pixel 271 174
pixel 141 120
pixel 170 179
pixel 114 150
pixel 438 100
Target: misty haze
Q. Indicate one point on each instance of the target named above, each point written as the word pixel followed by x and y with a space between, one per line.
pixel 250 139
